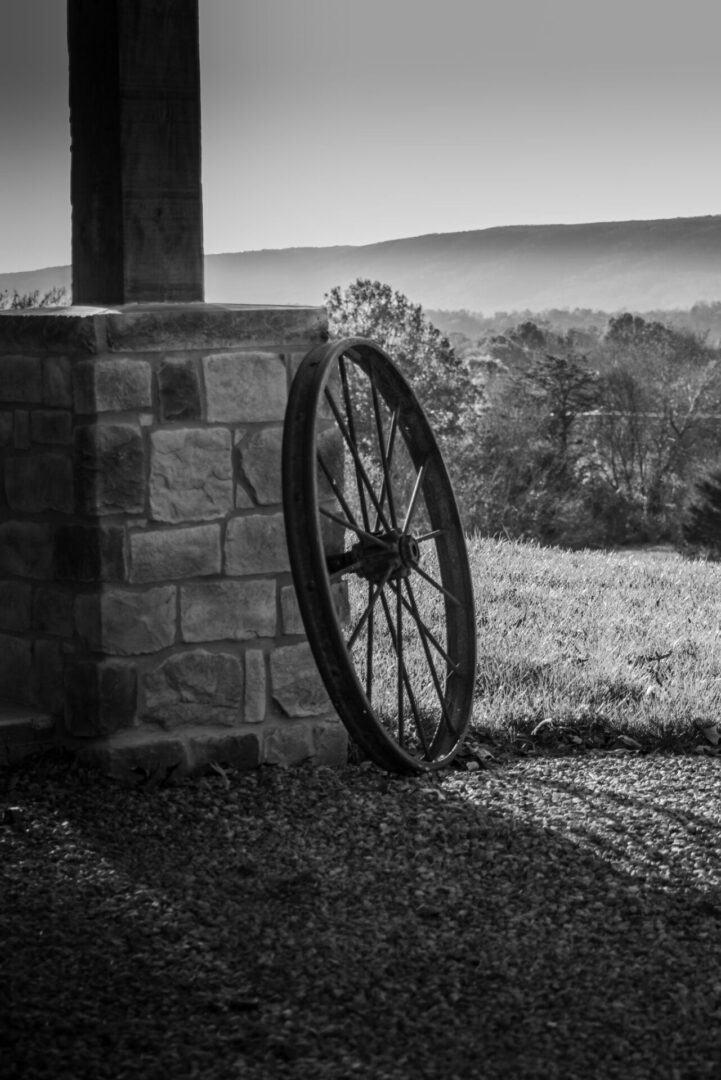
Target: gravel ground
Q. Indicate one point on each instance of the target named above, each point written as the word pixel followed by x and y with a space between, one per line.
pixel 549 917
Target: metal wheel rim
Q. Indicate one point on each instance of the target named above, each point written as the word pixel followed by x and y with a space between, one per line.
pixel 389 564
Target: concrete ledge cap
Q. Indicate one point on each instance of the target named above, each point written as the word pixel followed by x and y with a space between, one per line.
pixel 49 331
pixel 161 327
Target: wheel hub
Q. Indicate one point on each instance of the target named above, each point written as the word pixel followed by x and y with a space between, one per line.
pixel 391 556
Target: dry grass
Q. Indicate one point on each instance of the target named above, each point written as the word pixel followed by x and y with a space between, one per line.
pixel 584 643
pixel 584 639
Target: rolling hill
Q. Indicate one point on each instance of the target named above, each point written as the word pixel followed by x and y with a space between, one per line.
pixel 638 265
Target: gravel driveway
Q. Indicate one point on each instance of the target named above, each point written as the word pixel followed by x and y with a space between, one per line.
pixel 549 917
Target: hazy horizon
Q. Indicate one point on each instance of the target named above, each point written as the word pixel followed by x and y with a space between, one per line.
pixel 329 123
pixel 416 236
pixel 667 263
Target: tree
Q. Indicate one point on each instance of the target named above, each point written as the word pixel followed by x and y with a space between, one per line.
pixel 532 478
pixel 439 378
pixel 702 521
pixel 661 400
pixel 565 389
pixel 452 400
pixel 529 336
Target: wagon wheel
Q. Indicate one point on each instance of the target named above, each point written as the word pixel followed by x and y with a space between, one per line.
pixel 378 557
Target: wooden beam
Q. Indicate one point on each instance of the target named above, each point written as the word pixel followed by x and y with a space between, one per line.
pixel 135 133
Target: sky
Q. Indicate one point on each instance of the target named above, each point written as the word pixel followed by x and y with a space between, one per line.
pixel 353 121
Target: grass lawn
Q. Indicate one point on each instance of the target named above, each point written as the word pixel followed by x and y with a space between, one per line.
pixel 593 642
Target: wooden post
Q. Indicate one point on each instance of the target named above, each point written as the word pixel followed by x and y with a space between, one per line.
pixel 135 129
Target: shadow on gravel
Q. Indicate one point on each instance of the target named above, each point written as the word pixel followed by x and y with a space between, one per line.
pixel 559 919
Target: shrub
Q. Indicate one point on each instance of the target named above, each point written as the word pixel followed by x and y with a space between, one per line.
pixel 702 521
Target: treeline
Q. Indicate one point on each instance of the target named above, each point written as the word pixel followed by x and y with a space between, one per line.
pixel 592 438
pixel 596 431
pixel 579 436
pixel 15 301
pixel 703 320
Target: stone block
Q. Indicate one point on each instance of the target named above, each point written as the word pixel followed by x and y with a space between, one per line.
pixel 39 482
pixel 21 430
pixel 21 379
pixel 227 610
pixel 256 690
pixel 15 605
pixel 260 463
pixel 100 697
pixel 53 611
pixel 292 622
pixel 15 669
pixel 296 685
pixel 331 742
pixel 301 741
pixel 57 381
pixel 245 387
pixel 51 427
pixel 179 391
pixel 191 474
pixel 160 554
pixel 138 757
pixel 126 623
pixel 116 384
pixel 24 731
pixel 256 545
pixel 289 744
pixel 26 549
pixel 195 687
pixel 90 553
pixel 243 499
pixel 110 468
pixel 48 676
pixel 6 428
pixel 241 750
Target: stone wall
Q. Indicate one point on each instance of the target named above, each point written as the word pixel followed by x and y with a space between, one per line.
pixel 145 594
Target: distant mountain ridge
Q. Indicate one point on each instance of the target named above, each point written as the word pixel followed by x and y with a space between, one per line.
pixel 637 265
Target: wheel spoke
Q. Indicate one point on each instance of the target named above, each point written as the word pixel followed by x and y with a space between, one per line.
pixel 392 436
pixel 368 611
pixel 387 489
pixel 361 473
pixel 351 568
pixel 407 681
pixel 369 647
pixel 352 434
pixel 414 497
pixel 437 585
pixel 425 635
pixel 430 636
pixel 430 536
pixel 336 489
pixel 368 537
pixel 401 664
